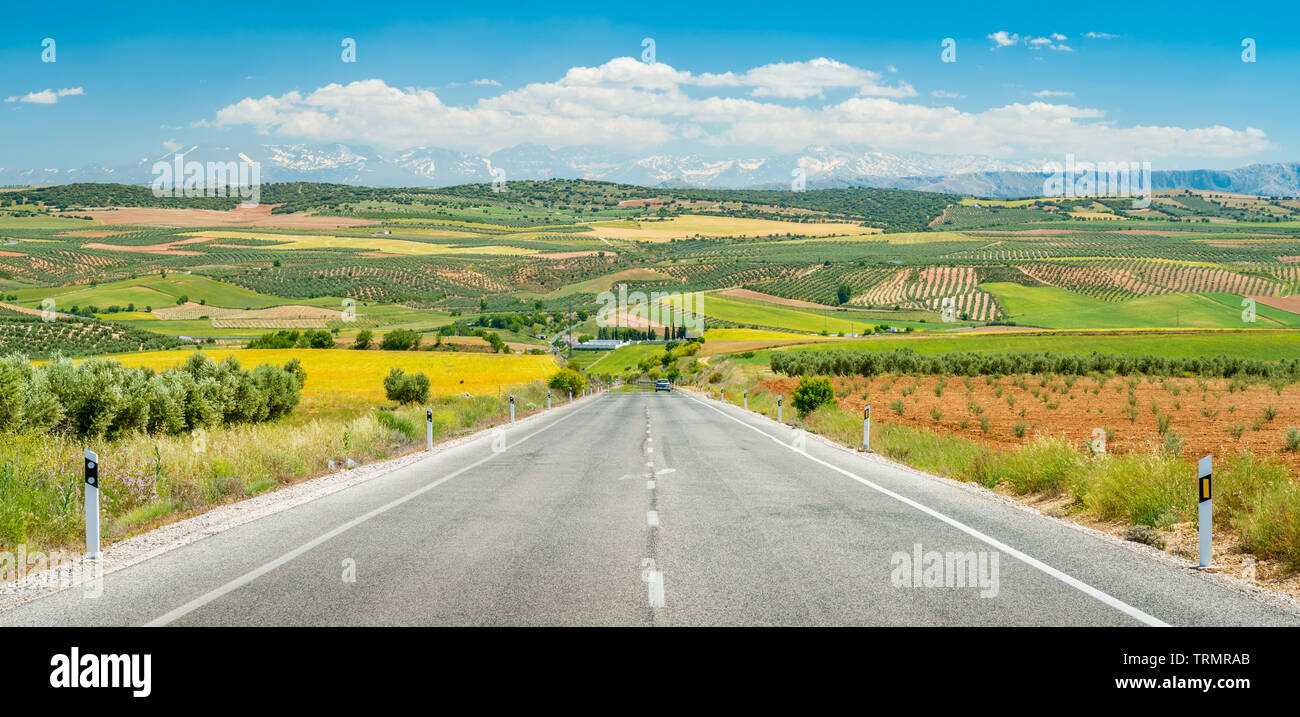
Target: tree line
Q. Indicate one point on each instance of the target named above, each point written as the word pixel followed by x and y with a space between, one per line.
pixel 968 363
pixel 103 398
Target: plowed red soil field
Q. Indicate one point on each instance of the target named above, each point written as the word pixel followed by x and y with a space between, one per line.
pixel 1202 412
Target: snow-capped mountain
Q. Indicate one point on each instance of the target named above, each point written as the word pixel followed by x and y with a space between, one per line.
pixel 822 167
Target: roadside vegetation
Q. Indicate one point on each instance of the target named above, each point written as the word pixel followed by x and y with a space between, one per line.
pixel 1257 496
pixel 102 398
pixel 150 478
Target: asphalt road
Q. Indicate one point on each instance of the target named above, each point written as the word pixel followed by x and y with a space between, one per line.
pixel 652 509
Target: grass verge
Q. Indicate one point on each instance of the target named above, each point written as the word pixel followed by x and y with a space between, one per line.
pixel 146 480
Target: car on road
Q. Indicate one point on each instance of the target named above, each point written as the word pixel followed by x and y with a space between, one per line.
pixel 663 384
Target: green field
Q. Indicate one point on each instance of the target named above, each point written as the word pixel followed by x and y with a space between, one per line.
pixel 1054 308
pixel 161 292
pixel 43 222
pixel 774 316
pixel 157 291
pixel 1263 345
pixel 620 360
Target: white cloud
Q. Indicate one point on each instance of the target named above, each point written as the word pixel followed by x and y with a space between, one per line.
pixel 944 94
pixel 1100 35
pixel 486 81
pixel 1053 93
pixel 626 103
pixel 1002 38
pixel 46 97
pixel 1053 41
pixel 171 145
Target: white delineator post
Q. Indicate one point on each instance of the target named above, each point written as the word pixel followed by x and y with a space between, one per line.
pixel 92 504
pixel 778 410
pixel 548 400
pixel 1205 511
pixel 512 408
pixel 746 397
pixel 428 423
pixel 866 428
pixel 570 395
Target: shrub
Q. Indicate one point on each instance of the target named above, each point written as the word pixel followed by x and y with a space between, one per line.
pixel 812 393
pixel 406 388
pixel 1173 445
pixel 283 339
pixel 1162 423
pixel 400 340
pixel 321 339
pixel 498 346
pixel 1291 442
pixel 364 337
pixel 566 379
pixel 1144 534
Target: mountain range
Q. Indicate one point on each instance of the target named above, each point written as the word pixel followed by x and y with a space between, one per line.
pixel 823 167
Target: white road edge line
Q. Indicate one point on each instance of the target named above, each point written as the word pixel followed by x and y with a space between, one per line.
pixel 1031 561
pixel 252 575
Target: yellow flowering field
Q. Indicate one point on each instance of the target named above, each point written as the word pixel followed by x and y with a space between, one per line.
pixel 344 376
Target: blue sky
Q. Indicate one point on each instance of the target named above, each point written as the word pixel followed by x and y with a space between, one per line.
pixel 1167 85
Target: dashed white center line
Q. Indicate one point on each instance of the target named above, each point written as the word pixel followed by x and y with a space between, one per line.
pixel 650 485
pixel 652 518
pixel 657 589
pixel 654 579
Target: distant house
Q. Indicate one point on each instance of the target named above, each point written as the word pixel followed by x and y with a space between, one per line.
pixel 599 345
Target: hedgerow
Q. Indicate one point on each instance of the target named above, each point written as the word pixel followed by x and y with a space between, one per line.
pixel 967 363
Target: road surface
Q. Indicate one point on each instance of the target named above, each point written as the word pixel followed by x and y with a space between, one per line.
pixel 652 509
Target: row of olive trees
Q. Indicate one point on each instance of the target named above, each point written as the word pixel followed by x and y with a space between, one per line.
pixel 969 363
pixel 103 398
